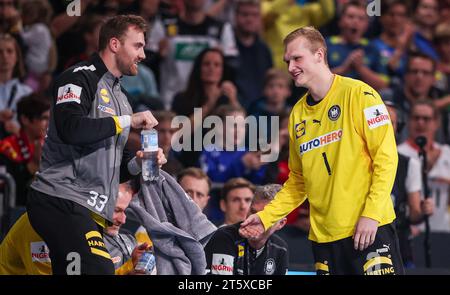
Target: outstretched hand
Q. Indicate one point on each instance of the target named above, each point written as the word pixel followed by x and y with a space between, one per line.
pixel 252 227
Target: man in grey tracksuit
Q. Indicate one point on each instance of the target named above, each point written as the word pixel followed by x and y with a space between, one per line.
pixel 84 156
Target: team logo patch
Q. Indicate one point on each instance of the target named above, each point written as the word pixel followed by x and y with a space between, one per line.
pixel 269 266
pixel 222 264
pixel 69 93
pixel 376 116
pixel 104 95
pixel 106 109
pixel 321 141
pixel 334 112
pixel 39 252
pixel 300 129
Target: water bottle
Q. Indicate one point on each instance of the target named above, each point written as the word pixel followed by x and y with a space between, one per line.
pixel 146 263
pixel 149 142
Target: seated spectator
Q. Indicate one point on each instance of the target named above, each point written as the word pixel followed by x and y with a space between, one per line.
pixel 123 247
pixel 255 57
pixel 23 252
pixel 12 89
pixel 424 121
pixel 277 89
pixel 38 41
pixel 419 80
pixel 207 90
pixel 185 37
pixel 165 134
pixel 236 198
pixel 406 195
pixel 21 153
pixel 227 253
pixel 349 54
pixel 206 87
pixel 426 18
pixel 395 38
pixel 222 163
pixel 196 184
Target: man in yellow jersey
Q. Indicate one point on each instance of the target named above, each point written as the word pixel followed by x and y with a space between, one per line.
pixel 343 158
pixel 24 252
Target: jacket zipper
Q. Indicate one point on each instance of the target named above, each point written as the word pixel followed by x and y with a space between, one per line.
pixel 115 146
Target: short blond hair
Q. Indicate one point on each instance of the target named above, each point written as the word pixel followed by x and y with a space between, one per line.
pixel 312 35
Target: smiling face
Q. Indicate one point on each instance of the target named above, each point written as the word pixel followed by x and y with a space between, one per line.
pixel 130 52
pixel 119 216
pixel 303 64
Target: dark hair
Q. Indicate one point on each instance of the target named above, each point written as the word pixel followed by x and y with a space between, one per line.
pixel 163 115
pixel 351 3
pixel 235 183
pixel 417 54
pixel 196 173
pixel 427 102
pixel 117 26
pixel 226 109
pixel 89 22
pixel 194 91
pixel 387 5
pixel 37 10
pixel 32 106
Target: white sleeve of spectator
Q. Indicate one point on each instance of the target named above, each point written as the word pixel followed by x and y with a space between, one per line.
pixel 156 34
pixel 413 180
pixel 39 41
pixel 227 41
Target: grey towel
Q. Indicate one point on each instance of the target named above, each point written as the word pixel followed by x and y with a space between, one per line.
pixel 176 225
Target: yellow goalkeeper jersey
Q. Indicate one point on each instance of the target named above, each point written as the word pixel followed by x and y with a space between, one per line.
pixel 343 158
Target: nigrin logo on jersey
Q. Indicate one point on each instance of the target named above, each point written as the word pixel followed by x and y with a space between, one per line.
pixel 320 141
pixel 376 116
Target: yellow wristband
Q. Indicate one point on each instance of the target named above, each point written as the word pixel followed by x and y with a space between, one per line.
pixel 116 121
